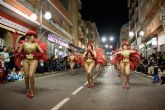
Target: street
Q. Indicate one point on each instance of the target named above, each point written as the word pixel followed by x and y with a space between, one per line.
pixel 65 92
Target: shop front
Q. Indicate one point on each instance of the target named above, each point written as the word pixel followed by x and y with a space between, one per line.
pixel 57 46
pixel 142 49
pixel 161 42
pixel 151 47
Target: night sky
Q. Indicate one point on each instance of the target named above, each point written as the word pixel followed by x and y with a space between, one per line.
pixel 109 15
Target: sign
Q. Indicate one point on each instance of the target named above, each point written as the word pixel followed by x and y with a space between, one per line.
pixel 13 25
pixel 55 39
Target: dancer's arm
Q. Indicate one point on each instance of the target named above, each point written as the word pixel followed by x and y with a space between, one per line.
pixel 94 53
pixel 84 54
pixel 75 58
pixel 39 48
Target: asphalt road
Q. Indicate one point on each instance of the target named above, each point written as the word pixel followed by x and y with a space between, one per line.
pixel 65 92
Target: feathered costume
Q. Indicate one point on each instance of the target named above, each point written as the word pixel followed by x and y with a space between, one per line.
pixel 37 55
pixel 100 56
pixel 134 57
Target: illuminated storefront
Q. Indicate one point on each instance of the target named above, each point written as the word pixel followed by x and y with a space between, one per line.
pixel 57 46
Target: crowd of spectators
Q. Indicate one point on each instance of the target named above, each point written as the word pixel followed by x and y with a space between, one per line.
pixel 154 66
pixel 10 72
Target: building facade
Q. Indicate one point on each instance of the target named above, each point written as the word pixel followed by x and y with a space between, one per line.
pixel 58 32
pixel 145 15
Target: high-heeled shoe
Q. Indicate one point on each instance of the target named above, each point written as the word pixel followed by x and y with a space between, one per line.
pixel 127 86
pixel 124 86
pixel 89 85
pixel 27 93
pixel 92 85
pixel 31 94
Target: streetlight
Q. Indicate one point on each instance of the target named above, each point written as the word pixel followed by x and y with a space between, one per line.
pixel 106 46
pixel 131 34
pixel 33 16
pixel 141 33
pixel 103 39
pixel 48 15
pixel 111 38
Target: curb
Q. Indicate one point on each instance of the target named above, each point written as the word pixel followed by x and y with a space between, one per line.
pixel 151 77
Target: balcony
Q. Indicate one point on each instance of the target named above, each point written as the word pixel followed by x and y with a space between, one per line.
pixel 153 26
pixel 54 27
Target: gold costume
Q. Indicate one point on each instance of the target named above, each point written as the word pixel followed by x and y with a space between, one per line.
pixel 29 49
pixel 89 61
pixel 125 54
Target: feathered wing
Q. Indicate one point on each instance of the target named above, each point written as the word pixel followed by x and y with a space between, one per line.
pixel 116 57
pixel 134 59
pixel 100 56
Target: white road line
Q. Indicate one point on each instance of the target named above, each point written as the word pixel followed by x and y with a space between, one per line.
pixel 77 90
pixel 60 104
pixel 85 83
pixel 93 78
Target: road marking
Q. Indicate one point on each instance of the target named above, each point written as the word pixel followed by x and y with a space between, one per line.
pixel 77 90
pixel 87 81
pixel 60 104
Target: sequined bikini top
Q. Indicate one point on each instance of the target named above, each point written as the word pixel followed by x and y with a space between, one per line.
pixel 30 48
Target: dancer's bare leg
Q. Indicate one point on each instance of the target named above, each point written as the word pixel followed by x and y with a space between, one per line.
pixel 32 70
pixel 127 71
pixel 118 69
pixel 91 66
pixel 122 67
pixel 72 66
pixel 26 70
pixel 88 76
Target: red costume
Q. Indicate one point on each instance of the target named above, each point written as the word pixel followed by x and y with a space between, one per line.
pixel 37 55
pixel 134 57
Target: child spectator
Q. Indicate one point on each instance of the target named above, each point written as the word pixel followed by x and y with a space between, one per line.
pixel 13 76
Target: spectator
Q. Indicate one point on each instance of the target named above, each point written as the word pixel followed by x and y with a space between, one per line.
pixel 151 66
pixel 13 76
pixel 6 60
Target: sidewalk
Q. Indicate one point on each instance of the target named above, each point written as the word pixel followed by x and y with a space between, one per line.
pixel 151 77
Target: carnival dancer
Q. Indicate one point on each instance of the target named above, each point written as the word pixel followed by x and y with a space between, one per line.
pixel 90 56
pixel 72 61
pixel 31 52
pixel 128 59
